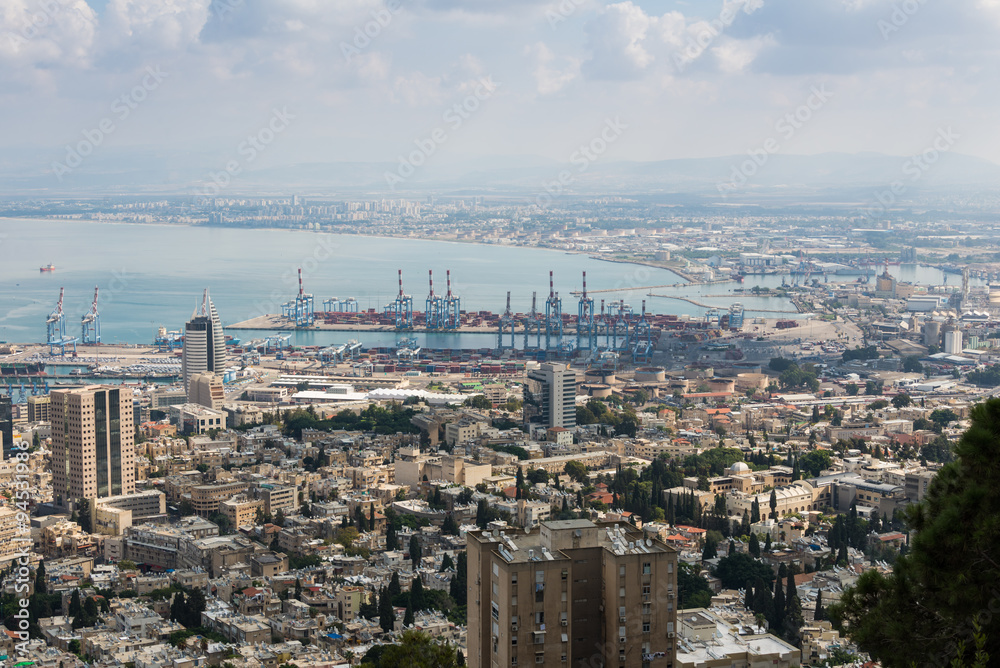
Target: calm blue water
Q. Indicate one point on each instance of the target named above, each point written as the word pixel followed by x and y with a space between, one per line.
pixel 152 275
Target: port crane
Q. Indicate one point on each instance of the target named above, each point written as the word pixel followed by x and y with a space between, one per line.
pixel 90 323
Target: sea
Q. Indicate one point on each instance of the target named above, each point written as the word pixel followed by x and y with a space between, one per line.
pixel 153 275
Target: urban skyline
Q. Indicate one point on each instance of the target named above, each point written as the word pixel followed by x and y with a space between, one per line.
pixel 558 333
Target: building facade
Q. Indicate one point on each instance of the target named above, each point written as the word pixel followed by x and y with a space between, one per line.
pixel 553 396
pixel 93 451
pixel 571 592
pixel 207 389
pixel 204 343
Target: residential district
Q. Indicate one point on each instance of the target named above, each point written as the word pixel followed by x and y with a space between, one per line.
pixel 703 503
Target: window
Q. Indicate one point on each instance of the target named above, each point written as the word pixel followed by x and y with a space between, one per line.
pixel 621 592
pixel 646 568
pixel 645 627
pixel 539 657
pixel 621 570
pixel 513 578
pixel 565 574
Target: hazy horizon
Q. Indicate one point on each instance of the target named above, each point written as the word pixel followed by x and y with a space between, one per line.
pixel 199 84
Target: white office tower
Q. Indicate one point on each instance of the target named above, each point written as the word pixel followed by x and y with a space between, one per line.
pixel 204 343
pixel 553 387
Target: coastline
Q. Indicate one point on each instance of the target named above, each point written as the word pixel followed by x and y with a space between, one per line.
pixel 470 242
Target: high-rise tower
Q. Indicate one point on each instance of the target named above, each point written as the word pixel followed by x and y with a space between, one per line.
pixel 204 343
pixel 93 444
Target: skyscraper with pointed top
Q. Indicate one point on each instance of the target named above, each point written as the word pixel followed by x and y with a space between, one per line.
pixel 204 343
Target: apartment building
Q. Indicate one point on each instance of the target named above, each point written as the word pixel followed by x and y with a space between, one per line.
pixel 571 591
pixel 93 454
pixel 207 499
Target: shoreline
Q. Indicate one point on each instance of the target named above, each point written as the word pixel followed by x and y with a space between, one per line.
pixel 360 234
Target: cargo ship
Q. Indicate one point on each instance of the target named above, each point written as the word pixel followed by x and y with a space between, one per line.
pixel 48 267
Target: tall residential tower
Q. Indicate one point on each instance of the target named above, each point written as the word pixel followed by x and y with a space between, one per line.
pixel 93 444
pixel 571 593
pixel 204 343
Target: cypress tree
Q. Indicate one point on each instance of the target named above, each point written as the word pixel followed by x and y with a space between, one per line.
pixel 755 511
pixel 394 587
pixel 178 608
pixel 793 621
pixel 415 553
pixel 779 605
pixel 754 547
pixel 417 600
pixel 391 539
pixel 386 615
pixel 820 613
pixel 41 583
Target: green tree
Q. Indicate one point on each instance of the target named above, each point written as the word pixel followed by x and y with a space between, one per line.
pixel 446 563
pixel 911 364
pixel 774 505
pixel 391 539
pixel 852 389
pixel 457 587
pixel 41 582
pixel 576 471
pixel 417 600
pixel 415 552
pixel 386 614
pixel 178 608
pixel 478 401
pixel 693 590
pixel 938 590
pixel 942 417
pixel 710 551
pixel 416 650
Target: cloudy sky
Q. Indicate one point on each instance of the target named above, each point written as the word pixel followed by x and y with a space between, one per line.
pixel 194 78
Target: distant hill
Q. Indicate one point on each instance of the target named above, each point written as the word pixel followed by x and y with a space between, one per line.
pixel 833 174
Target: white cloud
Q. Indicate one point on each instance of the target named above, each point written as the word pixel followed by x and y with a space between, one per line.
pixel 157 24
pixel 55 34
pixel 615 39
pixel 552 73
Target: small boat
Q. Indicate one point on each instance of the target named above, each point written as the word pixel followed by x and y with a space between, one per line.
pixel 48 267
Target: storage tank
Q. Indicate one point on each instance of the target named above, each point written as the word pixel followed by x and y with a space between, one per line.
pixel 650 374
pixel 598 390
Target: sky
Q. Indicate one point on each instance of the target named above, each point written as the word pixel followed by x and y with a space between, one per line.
pixel 497 81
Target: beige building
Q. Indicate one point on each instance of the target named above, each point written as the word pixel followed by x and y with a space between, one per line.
pixel 567 592
pixel 711 642
pixel 206 499
pixel 9 533
pixel 93 439
pixel 206 389
pixel 241 511
pixel 411 466
pixel 277 497
pixel 38 409
pixel 111 516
